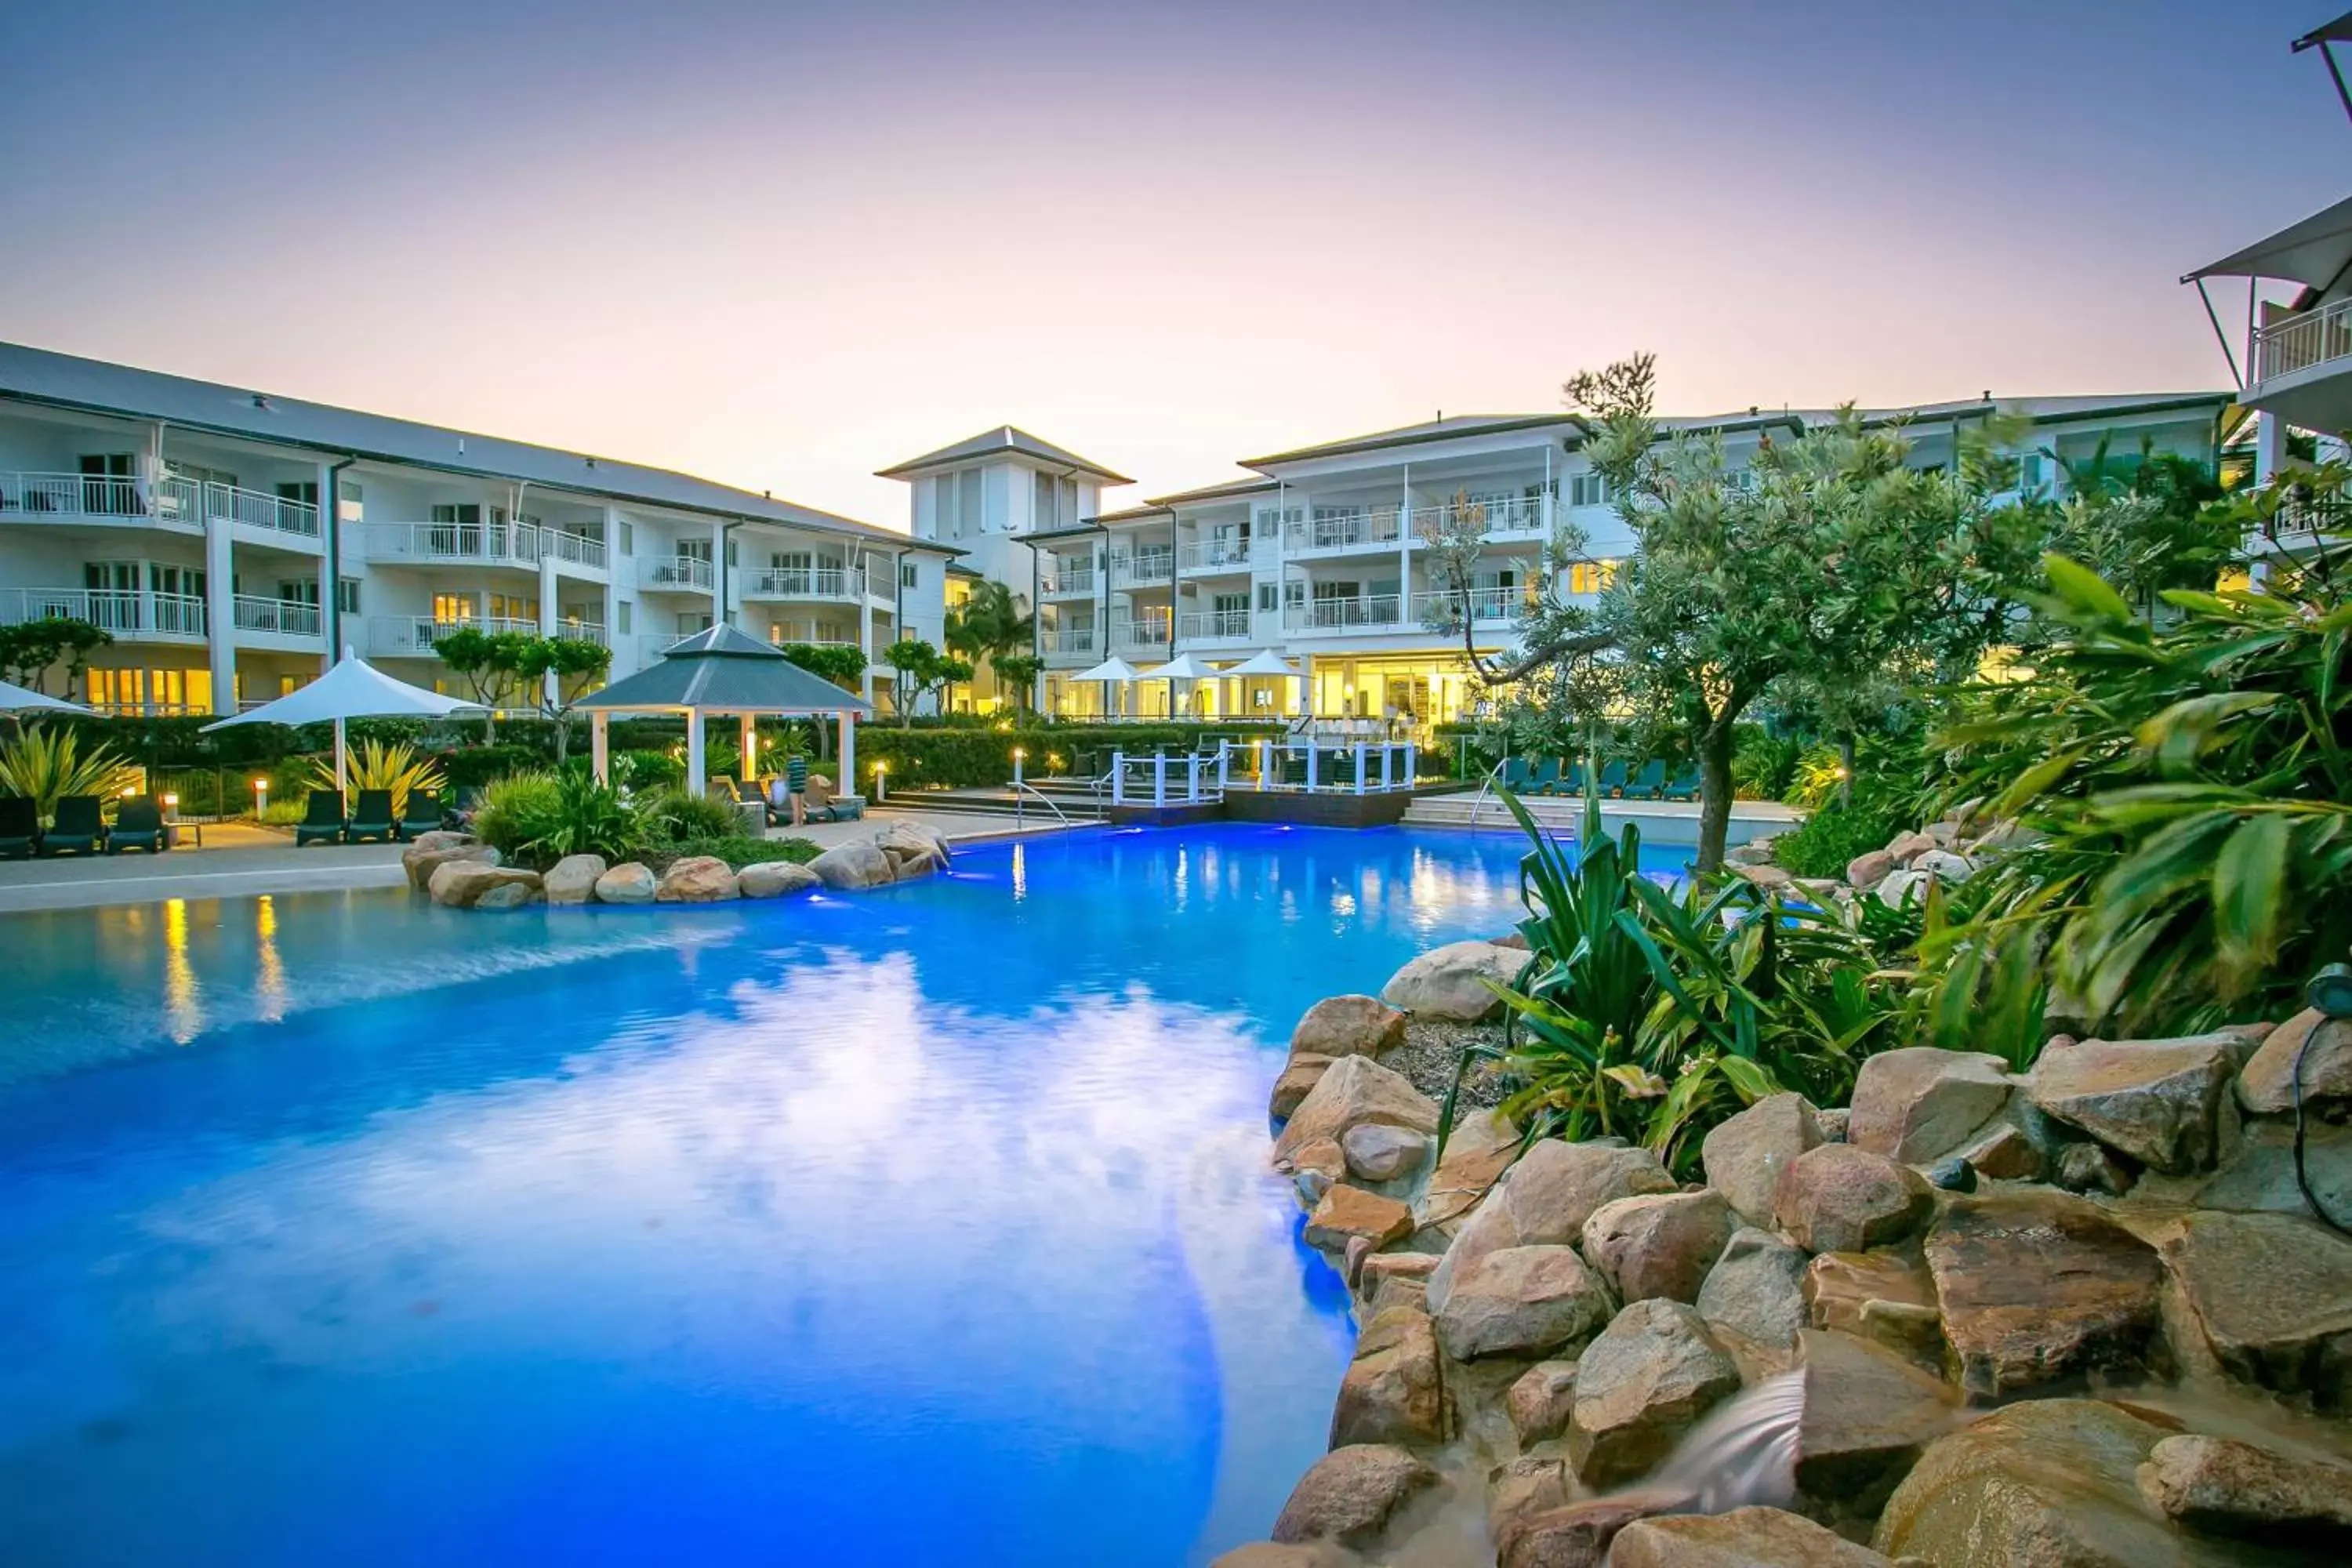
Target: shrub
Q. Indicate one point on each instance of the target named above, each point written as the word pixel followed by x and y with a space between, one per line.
pixel 47 764
pixel 647 771
pixel 1764 765
pixel 1832 837
pixel 676 816
pixel 536 819
pixel 471 767
pixel 372 765
pixel 516 809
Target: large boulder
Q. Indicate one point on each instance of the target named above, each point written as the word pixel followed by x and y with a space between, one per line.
pixel 1353 1091
pixel 1299 1076
pixel 696 880
pixel 2036 1286
pixel 2224 1486
pixel 1906 847
pixel 1841 1198
pixel 855 863
pixel 1350 1494
pixel 1521 1302
pixel 1314 1166
pixel 1304 1554
pixel 1920 1104
pixel 511 896
pixel 1393 1391
pixel 630 882
pixel 1743 1538
pixel 1380 1153
pixel 1869 1414
pixel 2270 1296
pixel 1455 982
pixel 2266 1085
pixel 1479 1149
pixel 911 850
pixel 1869 869
pixel 1643 1383
pixel 1756 1292
pixel 1658 1244
pixel 2051 1482
pixel 1540 1399
pixel 437 848
pixel 2159 1102
pixel 774 879
pixel 572 880
pixel 1388 1279
pixel 460 884
pixel 1887 1297
pixel 1745 1155
pixel 1346 1212
pixel 1348 1027
pixel 1547 1197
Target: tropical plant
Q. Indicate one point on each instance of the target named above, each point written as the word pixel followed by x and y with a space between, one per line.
pixel 843 664
pixel 30 648
pixel 1764 765
pixel 372 764
pixel 914 663
pixel 1018 672
pixel 1830 838
pixel 46 764
pixel 537 818
pixel 989 624
pixel 488 662
pixel 562 671
pixel 516 809
pixel 676 814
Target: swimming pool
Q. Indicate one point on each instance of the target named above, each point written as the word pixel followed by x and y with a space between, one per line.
pixel 929 1225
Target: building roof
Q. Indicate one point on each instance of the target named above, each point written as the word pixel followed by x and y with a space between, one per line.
pixel 725 671
pixel 1003 440
pixel 1230 490
pixel 2316 252
pixel 1413 435
pixel 66 381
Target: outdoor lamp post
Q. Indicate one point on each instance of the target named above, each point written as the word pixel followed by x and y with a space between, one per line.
pixel 1016 767
pixel 881 780
pixel 260 798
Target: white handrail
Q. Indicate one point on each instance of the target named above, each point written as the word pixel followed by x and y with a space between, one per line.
pixel 260 509
pixel 288 618
pixel 673 570
pixel 807 583
pixel 2303 341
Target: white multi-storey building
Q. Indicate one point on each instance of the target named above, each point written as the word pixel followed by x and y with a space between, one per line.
pixel 228 540
pixel 1320 558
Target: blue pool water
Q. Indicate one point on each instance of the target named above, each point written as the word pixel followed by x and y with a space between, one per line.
pixel 926 1226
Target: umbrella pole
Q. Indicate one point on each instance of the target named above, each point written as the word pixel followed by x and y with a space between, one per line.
pixel 341 767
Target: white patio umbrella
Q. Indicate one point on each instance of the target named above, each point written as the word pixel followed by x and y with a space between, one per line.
pixel 1184 668
pixel 1113 668
pixel 15 698
pixel 1269 662
pixel 354 689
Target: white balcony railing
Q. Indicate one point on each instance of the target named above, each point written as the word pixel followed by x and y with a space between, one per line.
pixel 1487 605
pixel 813 634
pixel 1372 611
pixel 1070 639
pixel 807 583
pixel 1206 626
pixel 416 636
pixel 1149 633
pixel 92 497
pixel 1211 554
pixel 678 571
pixel 1143 567
pixel 280 617
pixel 1346 528
pixel 582 631
pixel 476 544
pixel 1500 515
pixel 259 508
pixel 1066 582
pixel 2301 342
pixel 576 548
pixel 127 613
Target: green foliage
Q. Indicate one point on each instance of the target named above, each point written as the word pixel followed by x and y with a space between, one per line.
pixel 489 663
pixel 371 764
pixel 516 809
pixel 1832 837
pixel 845 666
pixel 471 767
pixel 922 668
pixel 537 818
pixel 578 666
pixel 740 850
pixel 645 771
pixel 46 764
pixel 1019 672
pixel 1764 765
pixel 677 816
pixel 29 648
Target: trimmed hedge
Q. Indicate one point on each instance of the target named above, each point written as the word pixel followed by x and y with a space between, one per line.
pixel 962 757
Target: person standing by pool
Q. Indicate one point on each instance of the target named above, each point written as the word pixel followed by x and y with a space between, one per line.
pixel 796 786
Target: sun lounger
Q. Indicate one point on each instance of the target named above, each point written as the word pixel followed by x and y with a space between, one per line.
pixel 821 805
pixel 324 819
pixel 137 825
pixel 79 826
pixel 420 813
pixel 20 828
pixel 1571 781
pixel 1684 785
pixel 1647 784
pixel 371 818
pixel 1515 775
pixel 1613 779
pixel 1545 776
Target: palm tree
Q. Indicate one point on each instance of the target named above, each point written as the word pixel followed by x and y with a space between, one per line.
pixel 990 624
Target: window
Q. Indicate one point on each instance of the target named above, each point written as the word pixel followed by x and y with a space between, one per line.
pixel 1231 604
pixel 452 609
pixel 1591 576
pixel 730 555
pixel 968 509
pixel 107 486
pixel 298 590
pixel 2029 471
pixel 110 576
pixel 1588 490
pixel 906 575
pixel 288 684
pixel 621 614
pixel 689 623
pixel 347 596
pixel 628 539
pixel 1294 593
pixel 1268 597
pixel 694 549
pixel 1048 494
pixel 303 490
pixel 463 514
pixel 513 607
pixel 186 582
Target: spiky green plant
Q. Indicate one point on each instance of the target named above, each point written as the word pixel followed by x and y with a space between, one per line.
pixel 375 765
pixel 47 764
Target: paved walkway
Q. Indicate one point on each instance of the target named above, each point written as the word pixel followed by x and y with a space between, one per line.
pixel 237 861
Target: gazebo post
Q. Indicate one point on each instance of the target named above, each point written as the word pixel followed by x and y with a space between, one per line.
pixel 751 739
pixel 698 781
pixel 600 744
pixel 848 749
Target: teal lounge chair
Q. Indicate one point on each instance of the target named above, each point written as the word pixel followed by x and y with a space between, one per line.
pixel 1612 778
pixel 1648 784
pixel 79 826
pixel 421 813
pixel 1515 775
pixel 20 828
pixel 1684 785
pixel 137 825
pixel 1572 781
pixel 324 819
pixel 372 818
pixel 1545 777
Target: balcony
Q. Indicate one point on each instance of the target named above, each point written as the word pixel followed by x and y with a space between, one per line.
pixel 260 509
pixel 1373 613
pixel 811 633
pixel 454 543
pixel 582 631
pixel 1214 625
pixel 572 549
pixel 284 619
pixel 415 636
pixel 1337 529
pixel 835 583
pixel 2298 367
pixel 1067 582
pixel 1147 636
pixel 679 573
pixel 1215 555
pixel 1504 516
pixel 1071 640
pixel 1142 568
pixel 132 615
pixel 94 500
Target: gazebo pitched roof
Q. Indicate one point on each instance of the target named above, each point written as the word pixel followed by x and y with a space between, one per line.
pixel 723 671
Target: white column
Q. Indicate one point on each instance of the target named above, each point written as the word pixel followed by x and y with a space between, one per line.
pixel 1312 748
pixel 1388 761
pixel 328 587
pixel 547 617
pixel 220 612
pixel 865 641
pixel 600 744
pixel 748 734
pixel 1359 767
pixel 696 780
pixel 1404 551
pixel 1160 778
pixel 848 752
pixel 1118 778
pixel 621 665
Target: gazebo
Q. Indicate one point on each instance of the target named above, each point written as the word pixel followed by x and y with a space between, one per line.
pixel 723 671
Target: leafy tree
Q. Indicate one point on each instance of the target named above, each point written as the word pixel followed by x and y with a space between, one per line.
pixel 990 625
pixel 29 649
pixel 563 670
pixel 845 666
pixel 916 663
pixel 1018 671
pixel 488 663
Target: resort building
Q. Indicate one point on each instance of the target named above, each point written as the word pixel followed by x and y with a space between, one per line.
pixel 229 541
pixel 1320 557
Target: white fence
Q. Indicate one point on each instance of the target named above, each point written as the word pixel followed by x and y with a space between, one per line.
pixel 1297 765
pixel 125 612
pixel 2301 342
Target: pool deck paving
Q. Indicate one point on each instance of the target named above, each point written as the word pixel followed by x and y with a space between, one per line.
pixel 239 860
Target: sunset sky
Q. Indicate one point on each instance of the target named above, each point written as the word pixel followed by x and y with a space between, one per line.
pixel 785 245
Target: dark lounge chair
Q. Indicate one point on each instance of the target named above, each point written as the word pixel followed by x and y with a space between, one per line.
pixel 1515 775
pixel 1545 778
pixel 1613 779
pixel 1571 779
pixel 421 813
pixel 20 828
pixel 1684 785
pixel 137 825
pixel 372 818
pixel 79 826
pixel 324 819
pixel 1647 784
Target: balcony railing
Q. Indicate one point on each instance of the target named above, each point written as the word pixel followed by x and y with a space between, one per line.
pixel 1066 582
pixel 416 636
pixel 813 634
pixel 1146 566
pixel 1501 515
pixel 2299 343
pixel 582 631
pixel 93 498
pixel 1211 554
pixel 479 544
pixel 280 617
pixel 678 571
pixel 807 583
pixel 125 612
pixel 1373 612
pixel 1070 639
pixel 1143 634
pixel 576 548
pixel 1487 605
pixel 1203 626
pixel 1350 528
pixel 259 508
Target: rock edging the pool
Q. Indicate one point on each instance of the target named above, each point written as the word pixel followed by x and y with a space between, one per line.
pixel 1539 1330
pixel 459 871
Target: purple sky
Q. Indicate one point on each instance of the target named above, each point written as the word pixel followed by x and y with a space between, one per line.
pixel 786 244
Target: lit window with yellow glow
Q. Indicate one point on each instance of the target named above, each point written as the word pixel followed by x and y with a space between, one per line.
pixel 1591 576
